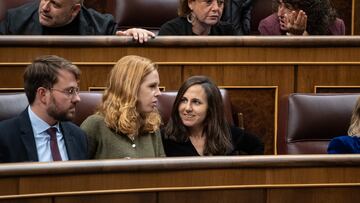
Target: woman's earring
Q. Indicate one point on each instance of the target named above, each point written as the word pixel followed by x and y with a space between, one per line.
pixel 190 18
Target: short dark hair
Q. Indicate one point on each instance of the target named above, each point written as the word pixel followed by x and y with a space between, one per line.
pixel 43 72
pixel 216 127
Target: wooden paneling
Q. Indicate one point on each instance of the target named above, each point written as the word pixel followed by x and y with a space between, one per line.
pixel 128 198
pixel 8 186
pixel 29 200
pixel 94 75
pixel 326 75
pixel 171 76
pixel 257 121
pixel 208 196
pixel 311 178
pixel 301 195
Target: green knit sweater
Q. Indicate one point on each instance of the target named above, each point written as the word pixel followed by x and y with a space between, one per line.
pixel 104 143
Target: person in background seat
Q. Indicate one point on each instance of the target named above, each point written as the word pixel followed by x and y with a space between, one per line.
pixel 198 17
pixel 303 17
pixel 127 122
pixel 63 17
pixel 198 126
pixel 348 144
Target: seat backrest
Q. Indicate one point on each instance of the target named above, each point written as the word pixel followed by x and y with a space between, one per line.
pixel 260 10
pixel 307 122
pixel 8 4
pixel 148 14
pixel 13 104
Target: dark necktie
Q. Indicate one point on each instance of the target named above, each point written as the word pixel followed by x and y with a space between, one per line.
pixel 53 144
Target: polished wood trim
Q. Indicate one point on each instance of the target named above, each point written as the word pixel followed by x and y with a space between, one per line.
pixel 316 87
pixel 276 97
pixel 182 41
pixel 204 63
pixel 167 189
pixel 179 163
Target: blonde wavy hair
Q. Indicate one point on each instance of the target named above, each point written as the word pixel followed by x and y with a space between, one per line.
pixel 120 98
pixel 354 129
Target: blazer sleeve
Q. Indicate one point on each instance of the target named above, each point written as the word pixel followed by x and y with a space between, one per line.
pixel 339 145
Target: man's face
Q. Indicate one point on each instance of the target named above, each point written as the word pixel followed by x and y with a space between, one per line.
pixel 57 13
pixel 63 97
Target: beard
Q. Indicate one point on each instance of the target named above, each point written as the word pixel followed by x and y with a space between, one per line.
pixel 58 115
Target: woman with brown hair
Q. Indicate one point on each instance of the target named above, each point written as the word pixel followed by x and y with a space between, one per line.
pixel 127 121
pixel 198 17
pixel 302 17
pixel 198 127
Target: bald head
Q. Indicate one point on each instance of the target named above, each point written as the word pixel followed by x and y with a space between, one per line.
pixel 58 13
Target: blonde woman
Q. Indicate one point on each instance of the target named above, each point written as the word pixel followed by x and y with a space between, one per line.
pixel 127 122
pixel 348 144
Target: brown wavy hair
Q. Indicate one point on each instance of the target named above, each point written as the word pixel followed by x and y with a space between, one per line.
pixel 216 127
pixel 354 129
pixel 120 98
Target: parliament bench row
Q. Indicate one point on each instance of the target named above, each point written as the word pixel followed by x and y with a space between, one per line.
pixel 306 122
pixel 156 12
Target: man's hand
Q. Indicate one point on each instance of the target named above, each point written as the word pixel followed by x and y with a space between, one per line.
pixel 296 23
pixel 140 35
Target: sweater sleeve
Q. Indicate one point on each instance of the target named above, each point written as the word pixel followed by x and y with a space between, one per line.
pixel 159 145
pixel 91 130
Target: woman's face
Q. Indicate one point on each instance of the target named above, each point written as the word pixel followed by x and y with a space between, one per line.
pixel 207 11
pixel 193 107
pixel 284 8
pixel 148 93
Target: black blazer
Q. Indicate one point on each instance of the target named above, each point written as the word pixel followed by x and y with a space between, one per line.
pixel 17 142
pixel 24 20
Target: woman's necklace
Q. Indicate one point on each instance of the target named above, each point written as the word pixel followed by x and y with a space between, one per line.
pixel 132 138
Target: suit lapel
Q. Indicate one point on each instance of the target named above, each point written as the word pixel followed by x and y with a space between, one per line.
pixel 36 26
pixel 84 27
pixel 27 136
pixel 69 141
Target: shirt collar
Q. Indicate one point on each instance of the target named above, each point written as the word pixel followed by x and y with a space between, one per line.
pixel 39 126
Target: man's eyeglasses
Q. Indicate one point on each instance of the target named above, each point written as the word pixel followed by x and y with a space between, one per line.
pixel 70 92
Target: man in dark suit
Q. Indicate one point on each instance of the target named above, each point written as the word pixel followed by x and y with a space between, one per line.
pixel 64 17
pixel 42 132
